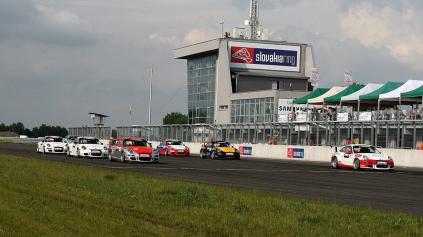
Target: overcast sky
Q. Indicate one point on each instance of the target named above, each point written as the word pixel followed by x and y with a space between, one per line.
pixel 60 60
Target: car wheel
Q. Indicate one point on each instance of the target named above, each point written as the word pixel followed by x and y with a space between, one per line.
pixel 69 155
pixel 356 164
pixel 213 155
pixel 110 157
pixel 202 155
pixel 166 152
pixel 78 154
pixel 335 163
pixel 122 158
pixel 44 150
pixel 38 150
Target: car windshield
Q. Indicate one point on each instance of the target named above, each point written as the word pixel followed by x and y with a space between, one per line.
pixel 222 144
pixel 89 141
pixel 135 143
pixel 53 139
pixel 112 143
pixel 173 143
pixel 365 149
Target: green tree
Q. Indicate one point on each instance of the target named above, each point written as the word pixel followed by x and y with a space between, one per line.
pixel 358 84
pixel 175 118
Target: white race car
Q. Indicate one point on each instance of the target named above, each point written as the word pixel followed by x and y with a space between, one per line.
pixel 52 144
pixel 360 156
pixel 87 147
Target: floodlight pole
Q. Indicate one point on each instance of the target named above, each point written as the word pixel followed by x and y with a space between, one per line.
pixel 149 107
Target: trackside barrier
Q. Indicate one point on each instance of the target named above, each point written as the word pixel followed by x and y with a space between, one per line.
pixel 402 157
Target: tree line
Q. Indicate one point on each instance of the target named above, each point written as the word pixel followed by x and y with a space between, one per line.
pixel 41 131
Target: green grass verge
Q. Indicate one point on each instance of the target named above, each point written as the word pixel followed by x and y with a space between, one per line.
pixel 44 198
pixel 6 141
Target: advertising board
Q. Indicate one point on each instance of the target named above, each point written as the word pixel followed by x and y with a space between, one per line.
pixel 264 56
pixel 365 116
pixel 245 150
pixel 295 153
pixel 342 117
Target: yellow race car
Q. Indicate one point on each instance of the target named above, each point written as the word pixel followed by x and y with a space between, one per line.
pixel 219 149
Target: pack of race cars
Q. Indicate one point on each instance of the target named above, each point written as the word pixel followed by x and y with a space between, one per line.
pixel 127 149
pixel 133 149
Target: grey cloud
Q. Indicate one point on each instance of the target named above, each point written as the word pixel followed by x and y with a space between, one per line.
pixel 16 12
pixel 20 20
pixel 333 57
pixel 269 4
pixel 345 5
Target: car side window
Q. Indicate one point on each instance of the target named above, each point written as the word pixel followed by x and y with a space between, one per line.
pixel 342 149
pixel 347 149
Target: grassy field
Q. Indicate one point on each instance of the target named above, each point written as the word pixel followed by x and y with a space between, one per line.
pixel 43 198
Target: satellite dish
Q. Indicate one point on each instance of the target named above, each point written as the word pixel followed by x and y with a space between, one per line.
pixel 246 22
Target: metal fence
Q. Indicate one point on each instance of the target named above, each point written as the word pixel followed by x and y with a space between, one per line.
pixel 98 132
pixel 396 134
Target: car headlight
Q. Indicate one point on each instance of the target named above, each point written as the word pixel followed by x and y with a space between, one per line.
pixel 48 144
pixel 187 148
pixel 130 151
pixel 219 151
pixel 104 148
pixel 236 150
pixel 365 157
pixel 390 158
pixel 83 147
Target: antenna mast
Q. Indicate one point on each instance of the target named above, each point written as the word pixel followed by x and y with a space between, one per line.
pixel 254 16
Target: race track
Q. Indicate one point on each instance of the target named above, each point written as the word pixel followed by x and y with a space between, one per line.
pixel 399 191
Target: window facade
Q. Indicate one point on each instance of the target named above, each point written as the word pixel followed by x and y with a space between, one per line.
pixel 252 110
pixel 201 89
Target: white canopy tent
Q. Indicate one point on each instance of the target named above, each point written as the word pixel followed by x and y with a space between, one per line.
pixel 395 95
pixel 355 97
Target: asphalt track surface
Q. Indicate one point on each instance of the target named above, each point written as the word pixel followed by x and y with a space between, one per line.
pixel 399 191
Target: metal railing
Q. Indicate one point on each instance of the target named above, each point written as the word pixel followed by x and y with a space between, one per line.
pixel 333 115
pixel 92 131
pixel 406 134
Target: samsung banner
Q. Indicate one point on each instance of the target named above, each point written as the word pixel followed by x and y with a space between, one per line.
pixel 285 106
pixel 264 56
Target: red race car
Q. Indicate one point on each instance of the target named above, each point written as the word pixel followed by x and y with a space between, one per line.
pixel 133 149
pixel 173 147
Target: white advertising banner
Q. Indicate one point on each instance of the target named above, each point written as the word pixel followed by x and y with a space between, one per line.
pixel 264 56
pixel 301 118
pixel 283 118
pixel 314 77
pixel 365 116
pixel 342 117
pixel 285 106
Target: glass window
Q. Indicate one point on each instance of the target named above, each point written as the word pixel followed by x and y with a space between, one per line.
pixel 201 83
pixel 274 85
